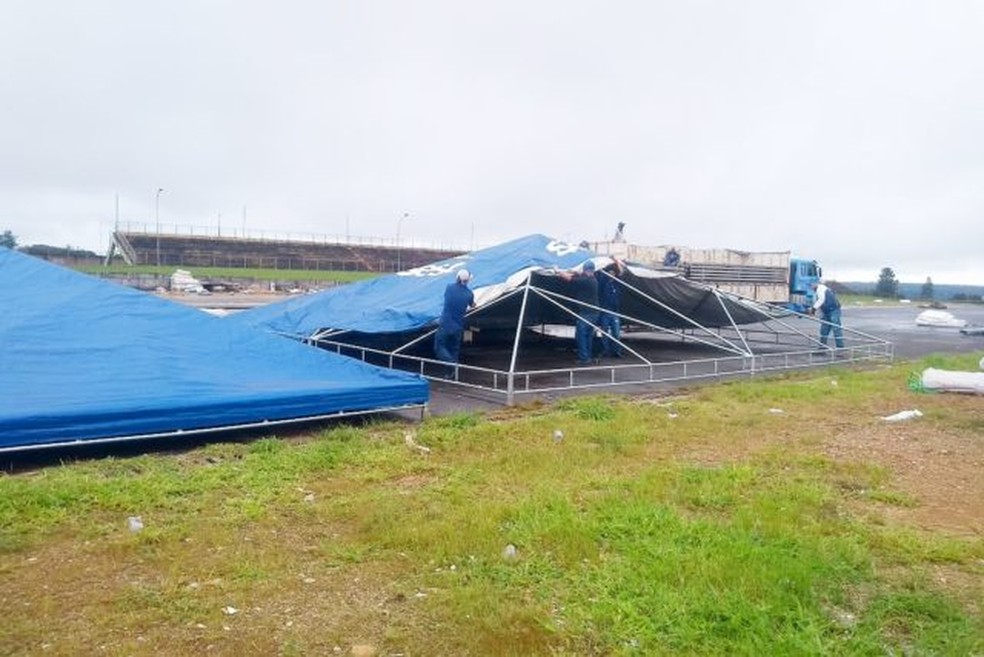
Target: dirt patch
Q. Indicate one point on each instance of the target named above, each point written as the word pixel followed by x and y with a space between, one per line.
pixel 940 469
pixel 932 464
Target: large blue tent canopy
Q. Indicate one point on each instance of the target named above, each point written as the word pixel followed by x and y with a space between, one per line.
pixel 89 360
pixel 412 299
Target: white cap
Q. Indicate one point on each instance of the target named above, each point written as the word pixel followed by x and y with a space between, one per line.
pixel 464 275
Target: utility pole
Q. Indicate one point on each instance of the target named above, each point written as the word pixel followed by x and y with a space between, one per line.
pixel 157 218
pixel 399 250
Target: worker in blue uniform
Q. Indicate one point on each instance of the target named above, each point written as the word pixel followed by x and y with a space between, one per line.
pixel 830 312
pixel 458 298
pixel 584 290
pixel 609 320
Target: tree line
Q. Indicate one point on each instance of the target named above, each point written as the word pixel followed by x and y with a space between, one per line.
pixel 888 286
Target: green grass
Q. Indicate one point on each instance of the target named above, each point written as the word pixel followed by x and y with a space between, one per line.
pixel 697 525
pixel 224 273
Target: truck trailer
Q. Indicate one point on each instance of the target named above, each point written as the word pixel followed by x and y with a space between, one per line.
pixel 773 277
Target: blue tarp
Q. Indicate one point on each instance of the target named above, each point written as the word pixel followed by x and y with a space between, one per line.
pixel 85 359
pixel 410 302
pixel 412 299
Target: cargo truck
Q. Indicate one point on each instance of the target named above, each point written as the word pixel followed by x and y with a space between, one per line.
pixel 773 277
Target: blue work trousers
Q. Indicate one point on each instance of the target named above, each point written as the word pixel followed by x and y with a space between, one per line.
pixel 584 337
pixel 447 345
pixel 611 326
pixel 832 320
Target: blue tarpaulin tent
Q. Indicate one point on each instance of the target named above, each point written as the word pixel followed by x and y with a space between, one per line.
pixel 411 300
pixel 89 360
pixel 518 337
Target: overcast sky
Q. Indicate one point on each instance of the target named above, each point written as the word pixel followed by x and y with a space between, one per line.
pixel 850 132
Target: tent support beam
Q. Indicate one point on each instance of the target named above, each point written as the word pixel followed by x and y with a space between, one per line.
pixel 511 378
pixel 471 312
pixel 547 295
pixel 691 322
pixel 724 307
pixel 732 348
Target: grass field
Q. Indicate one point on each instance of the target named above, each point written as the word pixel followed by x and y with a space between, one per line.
pixel 767 517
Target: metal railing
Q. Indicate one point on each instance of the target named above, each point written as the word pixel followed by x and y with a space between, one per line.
pixel 565 379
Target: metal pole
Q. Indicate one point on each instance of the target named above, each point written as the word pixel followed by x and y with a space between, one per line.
pixel 157 218
pixel 741 336
pixel 399 264
pixel 511 385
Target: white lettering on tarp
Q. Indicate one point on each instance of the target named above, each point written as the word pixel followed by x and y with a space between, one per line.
pixel 562 248
pixel 437 269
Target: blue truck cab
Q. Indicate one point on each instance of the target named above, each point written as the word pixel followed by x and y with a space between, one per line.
pixel 803 274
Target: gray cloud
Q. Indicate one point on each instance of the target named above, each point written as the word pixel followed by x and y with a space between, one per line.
pixel 848 132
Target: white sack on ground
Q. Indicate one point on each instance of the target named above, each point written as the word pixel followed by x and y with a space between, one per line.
pixel 939 318
pixel 950 381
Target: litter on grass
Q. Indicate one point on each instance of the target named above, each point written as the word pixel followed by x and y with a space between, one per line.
pixel 903 415
pixel 408 438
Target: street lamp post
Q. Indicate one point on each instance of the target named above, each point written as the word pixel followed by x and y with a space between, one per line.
pixel 157 219
pixel 399 250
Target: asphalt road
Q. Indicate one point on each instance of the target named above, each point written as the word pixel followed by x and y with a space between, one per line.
pixel 897 324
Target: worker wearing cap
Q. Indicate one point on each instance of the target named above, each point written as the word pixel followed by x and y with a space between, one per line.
pixel 830 313
pixel 609 320
pixel 457 300
pixel 584 289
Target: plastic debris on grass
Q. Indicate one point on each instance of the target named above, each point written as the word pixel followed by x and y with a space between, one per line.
pixel 903 415
pixel 408 438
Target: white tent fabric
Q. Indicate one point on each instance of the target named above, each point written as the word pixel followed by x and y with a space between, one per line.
pixel 953 381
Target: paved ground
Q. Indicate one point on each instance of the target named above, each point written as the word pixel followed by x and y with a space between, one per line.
pixel 897 324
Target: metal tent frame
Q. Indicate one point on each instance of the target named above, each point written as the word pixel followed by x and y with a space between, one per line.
pixel 778 342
